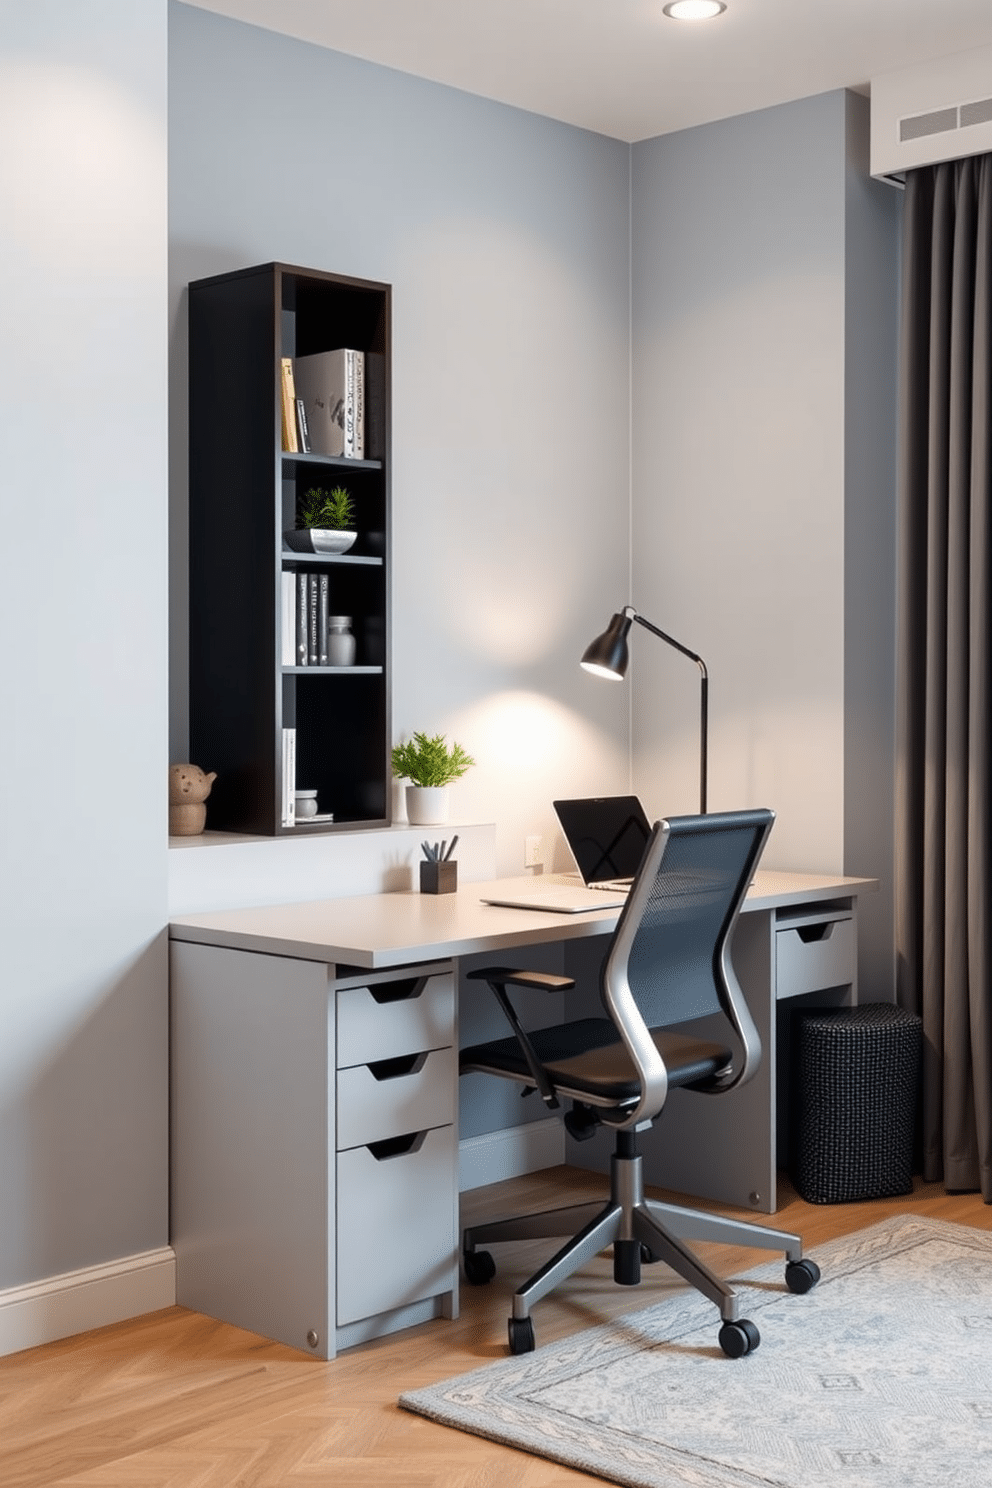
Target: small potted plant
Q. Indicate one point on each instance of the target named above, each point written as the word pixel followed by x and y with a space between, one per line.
pixel 430 766
pixel 325 522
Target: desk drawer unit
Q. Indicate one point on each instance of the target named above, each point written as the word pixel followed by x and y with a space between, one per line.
pixel 815 953
pixel 397 1151
pixel 398 1244
pixel 410 1093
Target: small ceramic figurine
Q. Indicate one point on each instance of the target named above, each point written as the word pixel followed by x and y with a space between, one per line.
pixel 188 789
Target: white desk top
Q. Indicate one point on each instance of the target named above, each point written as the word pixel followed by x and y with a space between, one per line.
pixel 379 931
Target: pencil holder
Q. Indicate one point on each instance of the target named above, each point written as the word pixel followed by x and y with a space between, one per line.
pixel 438 878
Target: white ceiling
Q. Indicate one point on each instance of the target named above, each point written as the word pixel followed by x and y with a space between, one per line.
pixel 620 67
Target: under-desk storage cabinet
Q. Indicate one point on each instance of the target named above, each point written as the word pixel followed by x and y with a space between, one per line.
pixel 314 1145
pixel 254 707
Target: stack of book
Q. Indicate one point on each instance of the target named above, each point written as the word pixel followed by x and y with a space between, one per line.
pixel 323 403
pixel 305 606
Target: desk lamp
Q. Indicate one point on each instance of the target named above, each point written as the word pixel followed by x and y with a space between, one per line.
pixel 607 656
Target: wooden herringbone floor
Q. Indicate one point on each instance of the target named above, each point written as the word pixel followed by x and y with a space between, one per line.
pixel 175 1400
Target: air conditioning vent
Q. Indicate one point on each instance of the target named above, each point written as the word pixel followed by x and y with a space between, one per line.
pixel 940 110
pixel 976 113
pixel 921 125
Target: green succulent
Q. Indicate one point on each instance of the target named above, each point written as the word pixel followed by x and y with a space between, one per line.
pixel 333 510
pixel 429 761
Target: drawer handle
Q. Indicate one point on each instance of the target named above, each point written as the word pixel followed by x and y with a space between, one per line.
pixel 398 991
pixel 395 1069
pixel 812 934
pixel 397 1146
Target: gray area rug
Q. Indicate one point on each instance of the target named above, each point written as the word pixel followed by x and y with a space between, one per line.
pixel 881 1377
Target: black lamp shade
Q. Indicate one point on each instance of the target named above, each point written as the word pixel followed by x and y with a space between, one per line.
pixel 607 656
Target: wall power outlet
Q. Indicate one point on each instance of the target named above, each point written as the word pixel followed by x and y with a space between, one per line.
pixel 532 852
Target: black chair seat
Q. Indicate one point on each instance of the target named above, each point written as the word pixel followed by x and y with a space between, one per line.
pixel 587 1057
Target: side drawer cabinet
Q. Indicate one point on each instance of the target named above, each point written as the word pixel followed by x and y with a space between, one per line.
pixel 396 1230
pixel 816 954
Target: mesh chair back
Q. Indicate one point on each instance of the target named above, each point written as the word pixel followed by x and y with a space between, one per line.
pixel 670 943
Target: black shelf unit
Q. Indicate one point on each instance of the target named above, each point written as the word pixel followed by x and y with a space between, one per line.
pixel 243 493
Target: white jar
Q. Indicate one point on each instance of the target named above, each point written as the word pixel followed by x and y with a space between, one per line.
pixel 340 641
pixel 306 804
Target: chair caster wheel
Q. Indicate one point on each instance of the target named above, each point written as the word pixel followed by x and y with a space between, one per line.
pixel 649 1257
pixel 801 1276
pixel 521 1335
pixel 479 1267
pixel 738 1339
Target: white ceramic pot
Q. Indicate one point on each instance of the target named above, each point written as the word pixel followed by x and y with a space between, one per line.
pixel 426 805
pixel 327 541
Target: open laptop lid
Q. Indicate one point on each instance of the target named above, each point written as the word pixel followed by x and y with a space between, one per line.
pixel 606 835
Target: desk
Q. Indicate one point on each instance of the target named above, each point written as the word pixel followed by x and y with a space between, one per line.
pixel 314 1092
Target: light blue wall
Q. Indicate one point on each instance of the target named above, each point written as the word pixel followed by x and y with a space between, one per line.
pixel 764 291
pixel 83 1056
pixel 505 237
pixel 738 254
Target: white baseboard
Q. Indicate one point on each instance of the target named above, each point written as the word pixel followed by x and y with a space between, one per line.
pixel 59 1306
pixel 510 1153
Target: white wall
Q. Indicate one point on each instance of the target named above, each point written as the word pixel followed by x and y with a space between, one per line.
pixel 83 1121
pixel 505 237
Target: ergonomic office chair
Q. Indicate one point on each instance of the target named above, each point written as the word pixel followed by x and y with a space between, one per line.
pixel 668 964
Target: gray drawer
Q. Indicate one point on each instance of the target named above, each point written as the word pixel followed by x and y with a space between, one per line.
pixel 373 1023
pixel 812 956
pixel 376 1102
pixel 397 1233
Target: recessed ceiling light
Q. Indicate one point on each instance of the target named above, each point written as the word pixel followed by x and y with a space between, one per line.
pixel 694 10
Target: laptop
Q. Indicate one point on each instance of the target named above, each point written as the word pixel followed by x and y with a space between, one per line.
pixel 606 836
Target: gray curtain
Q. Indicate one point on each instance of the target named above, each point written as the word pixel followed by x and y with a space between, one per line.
pixel 944 745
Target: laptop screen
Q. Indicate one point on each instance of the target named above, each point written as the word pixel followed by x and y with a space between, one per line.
pixel 607 835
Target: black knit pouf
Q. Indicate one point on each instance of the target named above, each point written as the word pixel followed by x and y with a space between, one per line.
pixel 857 1073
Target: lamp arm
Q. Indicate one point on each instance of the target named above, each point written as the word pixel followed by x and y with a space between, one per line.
pixel 670 640
pixel 704 687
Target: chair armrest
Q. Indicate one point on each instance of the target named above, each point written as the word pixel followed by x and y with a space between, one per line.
pixel 501 977
pixel 540 981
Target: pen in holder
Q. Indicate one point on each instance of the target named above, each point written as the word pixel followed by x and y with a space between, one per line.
pixel 438 873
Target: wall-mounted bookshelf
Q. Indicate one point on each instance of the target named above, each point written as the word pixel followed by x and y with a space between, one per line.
pixel 244 489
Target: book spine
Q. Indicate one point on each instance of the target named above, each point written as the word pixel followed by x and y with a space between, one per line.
pixel 302 427
pixel 359 405
pixel 375 410
pixel 287 620
pixel 313 604
pixel 349 403
pixel 302 622
pixel 289 440
pixel 323 606
pixel 289 777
